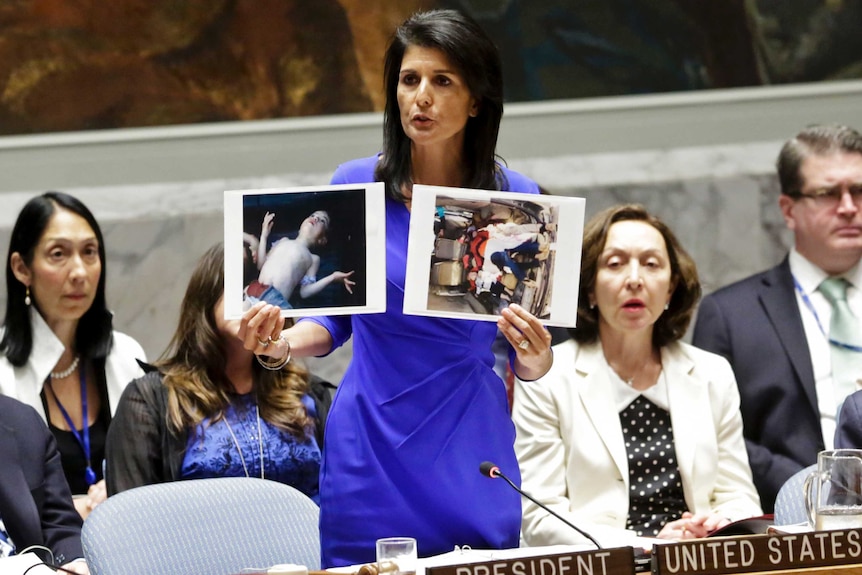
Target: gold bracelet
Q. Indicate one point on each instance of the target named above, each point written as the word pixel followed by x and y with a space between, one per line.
pixel 278 363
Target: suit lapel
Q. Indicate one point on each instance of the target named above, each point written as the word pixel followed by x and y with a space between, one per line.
pixel 778 298
pixel 689 404
pixel 598 398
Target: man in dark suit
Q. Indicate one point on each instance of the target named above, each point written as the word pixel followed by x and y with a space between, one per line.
pixel 35 502
pixel 774 326
pixel 849 433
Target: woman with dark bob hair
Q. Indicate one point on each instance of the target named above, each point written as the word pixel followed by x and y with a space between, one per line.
pixel 632 432
pixel 212 410
pixel 420 406
pixel 59 351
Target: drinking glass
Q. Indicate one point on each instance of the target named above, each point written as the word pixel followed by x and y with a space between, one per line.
pixel 833 492
pixel 396 556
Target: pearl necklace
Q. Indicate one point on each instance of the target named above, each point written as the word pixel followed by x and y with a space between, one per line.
pixel 259 443
pixel 68 371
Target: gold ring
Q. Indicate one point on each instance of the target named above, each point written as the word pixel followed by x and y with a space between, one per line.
pixel 525 343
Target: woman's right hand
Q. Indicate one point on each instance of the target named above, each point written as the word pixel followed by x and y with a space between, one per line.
pixel 260 330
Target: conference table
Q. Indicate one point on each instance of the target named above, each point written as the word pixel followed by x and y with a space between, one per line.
pixel 774 553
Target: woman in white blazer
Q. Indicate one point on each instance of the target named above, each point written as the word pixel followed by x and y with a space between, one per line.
pixel 58 351
pixel 632 432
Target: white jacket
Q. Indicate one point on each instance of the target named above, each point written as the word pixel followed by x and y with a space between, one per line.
pixel 573 457
pixel 25 383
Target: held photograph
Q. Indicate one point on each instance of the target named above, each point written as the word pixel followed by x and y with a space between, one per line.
pixel 308 250
pixel 471 253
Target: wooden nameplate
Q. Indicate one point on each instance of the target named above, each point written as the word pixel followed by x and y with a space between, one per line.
pixel 617 561
pixel 794 553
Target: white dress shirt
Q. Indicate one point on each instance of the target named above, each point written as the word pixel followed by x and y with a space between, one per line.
pixel 816 325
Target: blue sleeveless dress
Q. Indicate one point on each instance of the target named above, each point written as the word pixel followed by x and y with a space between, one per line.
pixel 419 408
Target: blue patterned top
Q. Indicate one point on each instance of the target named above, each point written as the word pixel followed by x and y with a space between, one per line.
pixel 212 452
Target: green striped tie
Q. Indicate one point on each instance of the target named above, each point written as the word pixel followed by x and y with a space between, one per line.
pixel 844 330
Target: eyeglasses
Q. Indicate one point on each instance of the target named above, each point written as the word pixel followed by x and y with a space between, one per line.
pixel 831 197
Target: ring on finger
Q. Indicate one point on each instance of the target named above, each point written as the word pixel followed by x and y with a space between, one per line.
pixel 264 342
pixel 525 343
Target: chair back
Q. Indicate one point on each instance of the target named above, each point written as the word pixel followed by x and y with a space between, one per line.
pixel 790 501
pixel 213 526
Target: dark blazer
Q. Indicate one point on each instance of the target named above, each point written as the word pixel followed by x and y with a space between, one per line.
pixel 756 324
pixel 35 501
pixel 849 432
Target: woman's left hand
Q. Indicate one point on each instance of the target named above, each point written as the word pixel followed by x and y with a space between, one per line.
pixel 532 342
pixel 693 526
pixel 96 494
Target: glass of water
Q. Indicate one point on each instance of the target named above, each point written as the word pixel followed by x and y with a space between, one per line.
pixel 833 493
pixel 396 556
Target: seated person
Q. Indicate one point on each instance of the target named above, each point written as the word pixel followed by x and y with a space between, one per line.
pixel 291 262
pixel 848 435
pixel 35 502
pixel 505 260
pixel 632 432
pixel 504 236
pixel 214 409
pixel 59 352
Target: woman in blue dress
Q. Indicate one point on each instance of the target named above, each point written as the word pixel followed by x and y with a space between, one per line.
pixel 211 409
pixel 420 406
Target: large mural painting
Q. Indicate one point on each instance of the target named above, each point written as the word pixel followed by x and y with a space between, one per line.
pixel 94 64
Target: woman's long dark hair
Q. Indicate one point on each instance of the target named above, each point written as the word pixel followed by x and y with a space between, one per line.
pixel 195 361
pixel 94 335
pixel 477 60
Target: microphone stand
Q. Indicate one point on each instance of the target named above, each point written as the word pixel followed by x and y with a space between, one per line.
pixel 494 471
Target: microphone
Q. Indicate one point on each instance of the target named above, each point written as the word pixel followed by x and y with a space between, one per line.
pixel 488 469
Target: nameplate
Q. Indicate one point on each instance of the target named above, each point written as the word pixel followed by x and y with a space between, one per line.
pixel 759 553
pixel 619 561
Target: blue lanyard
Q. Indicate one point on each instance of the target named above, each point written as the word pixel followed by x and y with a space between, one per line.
pixel 813 311
pixel 89 474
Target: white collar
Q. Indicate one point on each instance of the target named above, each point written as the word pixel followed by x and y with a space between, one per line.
pixel 810 276
pixel 47 347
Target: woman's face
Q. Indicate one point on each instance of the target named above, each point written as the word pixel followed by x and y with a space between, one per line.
pixel 64 274
pixel 433 98
pixel 633 278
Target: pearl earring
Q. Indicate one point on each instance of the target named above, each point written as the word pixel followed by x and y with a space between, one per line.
pixel 667 305
pixel 27 300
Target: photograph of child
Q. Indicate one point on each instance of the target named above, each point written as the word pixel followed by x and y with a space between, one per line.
pixel 291 264
pixel 491 252
pixel 304 251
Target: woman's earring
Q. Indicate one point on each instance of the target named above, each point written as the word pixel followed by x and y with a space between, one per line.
pixel 592 305
pixel 27 300
pixel 667 305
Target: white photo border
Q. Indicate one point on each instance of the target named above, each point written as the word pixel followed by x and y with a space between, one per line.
pixel 374 228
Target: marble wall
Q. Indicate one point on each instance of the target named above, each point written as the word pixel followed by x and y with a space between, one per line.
pixel 720 200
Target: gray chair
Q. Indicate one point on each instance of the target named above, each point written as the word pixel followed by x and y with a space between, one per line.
pixel 199 526
pixel 790 501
